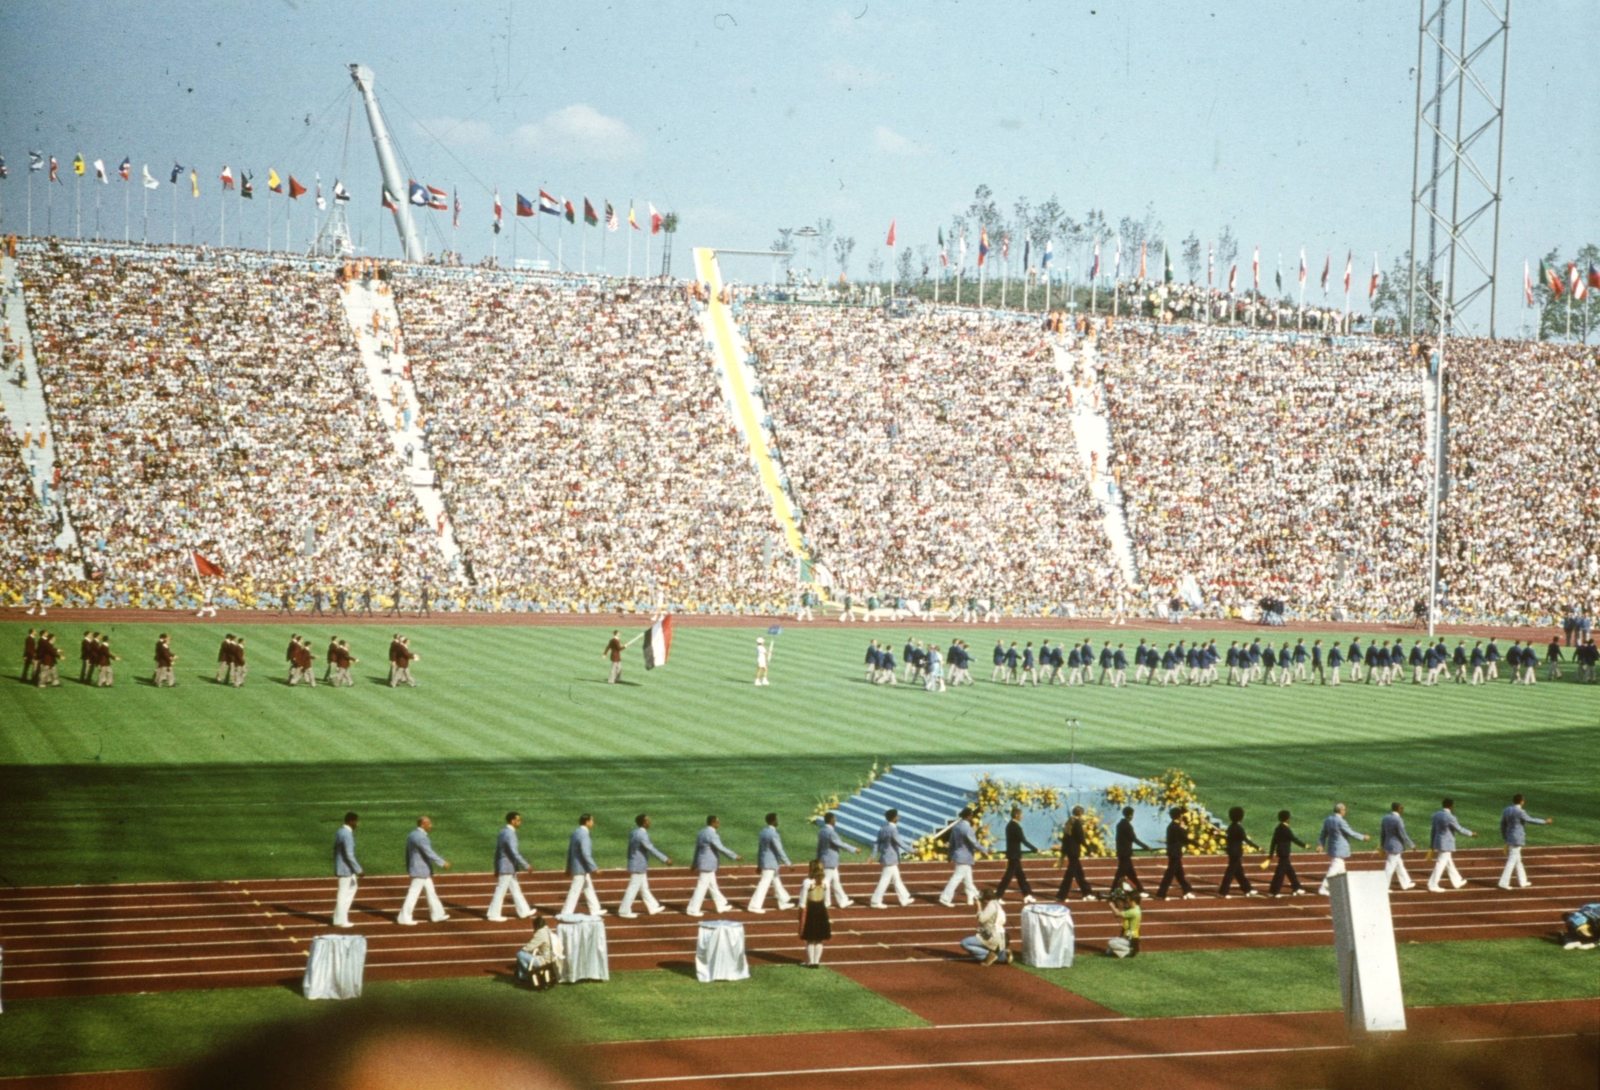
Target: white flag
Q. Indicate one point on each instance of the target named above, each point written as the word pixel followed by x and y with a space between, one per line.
pixel 100 171
pixel 322 205
pixel 149 182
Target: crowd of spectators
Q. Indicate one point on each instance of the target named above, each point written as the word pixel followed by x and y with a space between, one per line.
pixel 202 402
pixel 1270 466
pixel 932 454
pixel 1520 526
pixel 584 453
pixel 216 402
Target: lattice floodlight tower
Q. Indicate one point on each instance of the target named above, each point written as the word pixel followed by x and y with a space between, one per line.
pixel 333 237
pixel 1457 157
pixel 1462 47
pixel 393 181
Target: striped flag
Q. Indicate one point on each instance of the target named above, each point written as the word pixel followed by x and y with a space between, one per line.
pixel 658 642
pixel 1551 278
pixel 1527 286
pixel 611 217
pixel 1372 288
pixel 1580 290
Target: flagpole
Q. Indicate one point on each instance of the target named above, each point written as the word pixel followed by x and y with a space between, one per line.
pixel 97 215
pixel 30 199
pixel 605 228
pixel 981 271
pixel 78 215
pixel 174 212
pixel 630 240
pixel 127 227
pixel 583 249
pixel 222 227
pixel 144 232
pixel 269 222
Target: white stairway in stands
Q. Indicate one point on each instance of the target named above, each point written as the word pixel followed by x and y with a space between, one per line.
pixel 25 409
pixel 1091 427
pixel 383 357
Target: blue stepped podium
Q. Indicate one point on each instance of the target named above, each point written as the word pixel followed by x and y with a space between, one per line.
pixel 930 797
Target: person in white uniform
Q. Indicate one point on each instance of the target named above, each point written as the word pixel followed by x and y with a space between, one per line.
pixel 640 849
pixel 770 856
pixel 763 656
pixel 708 848
pixel 420 861
pixel 507 862
pixel 346 869
pixel 889 848
pixel 1392 835
pixel 1514 821
pixel 581 865
pixel 1445 830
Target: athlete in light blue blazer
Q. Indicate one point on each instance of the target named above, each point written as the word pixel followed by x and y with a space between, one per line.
pixel 1514 822
pixel 420 861
pixel 829 845
pixel 963 853
pixel 888 849
pixel 581 865
pixel 507 862
pixel 1445 830
pixel 640 849
pixel 346 869
pixel 1392 835
pixel 770 856
pixel 1335 840
pixel 708 848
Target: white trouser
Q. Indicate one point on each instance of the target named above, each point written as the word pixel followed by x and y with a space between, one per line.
pixel 833 889
pixel 638 886
pixel 707 882
pixel 347 896
pixel 891 874
pixel 435 906
pixel 770 879
pixel 507 883
pixel 1394 865
pixel 961 876
pixel 1335 866
pixel 582 885
pixel 1513 866
pixel 1446 864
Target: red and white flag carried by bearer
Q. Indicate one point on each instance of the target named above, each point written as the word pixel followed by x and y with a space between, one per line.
pixel 658 642
pixel 204 567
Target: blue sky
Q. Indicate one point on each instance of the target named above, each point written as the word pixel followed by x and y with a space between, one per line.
pixel 1291 122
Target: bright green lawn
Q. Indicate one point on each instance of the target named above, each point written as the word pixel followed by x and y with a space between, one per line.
pixel 1305 978
pixel 206 781
pixel 159 1029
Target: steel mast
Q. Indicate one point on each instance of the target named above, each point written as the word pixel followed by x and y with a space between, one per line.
pixel 393 180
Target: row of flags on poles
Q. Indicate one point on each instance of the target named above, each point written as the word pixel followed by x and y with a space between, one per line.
pixel 565 209
pixel 1576 282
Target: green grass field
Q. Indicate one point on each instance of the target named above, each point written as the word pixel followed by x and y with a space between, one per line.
pixel 204 781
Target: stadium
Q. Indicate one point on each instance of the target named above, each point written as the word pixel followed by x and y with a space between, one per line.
pixel 1059 652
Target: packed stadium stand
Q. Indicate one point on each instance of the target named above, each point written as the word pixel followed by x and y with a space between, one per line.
pixel 933 455
pixel 584 450
pixel 216 402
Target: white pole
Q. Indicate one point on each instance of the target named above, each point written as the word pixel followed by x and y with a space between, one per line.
pixel 127 200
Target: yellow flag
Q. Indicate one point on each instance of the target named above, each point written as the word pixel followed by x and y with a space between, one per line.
pixel 77 164
pixel 194 182
pixel 274 183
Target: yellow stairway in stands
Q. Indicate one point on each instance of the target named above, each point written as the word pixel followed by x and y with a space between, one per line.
pixel 730 354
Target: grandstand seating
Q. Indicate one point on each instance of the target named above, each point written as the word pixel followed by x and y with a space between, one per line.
pixel 215 401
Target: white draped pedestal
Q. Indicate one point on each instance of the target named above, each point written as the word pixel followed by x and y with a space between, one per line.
pixel 719 952
pixel 583 945
pixel 334 967
pixel 1047 936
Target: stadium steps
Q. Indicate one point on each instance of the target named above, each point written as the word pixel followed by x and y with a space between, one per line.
pixel 1091 429
pixel 383 359
pixel 28 411
pixel 926 806
pixel 739 388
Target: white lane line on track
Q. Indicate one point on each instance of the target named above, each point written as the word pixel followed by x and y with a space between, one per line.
pixel 1034 1061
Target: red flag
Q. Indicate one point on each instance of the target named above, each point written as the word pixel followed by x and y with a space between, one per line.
pixel 295 188
pixel 227 178
pixel 1349 254
pixel 1327 263
pixel 1233 276
pixel 1527 286
pixel 1255 269
pixel 890 241
pixel 1575 281
pixel 655 219
pixel 204 567
pixel 1372 288
pixel 1552 280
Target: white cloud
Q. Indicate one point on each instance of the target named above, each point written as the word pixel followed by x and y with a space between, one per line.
pixel 889 142
pixel 580 131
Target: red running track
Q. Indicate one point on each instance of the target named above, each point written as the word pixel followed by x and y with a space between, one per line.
pixel 92 940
